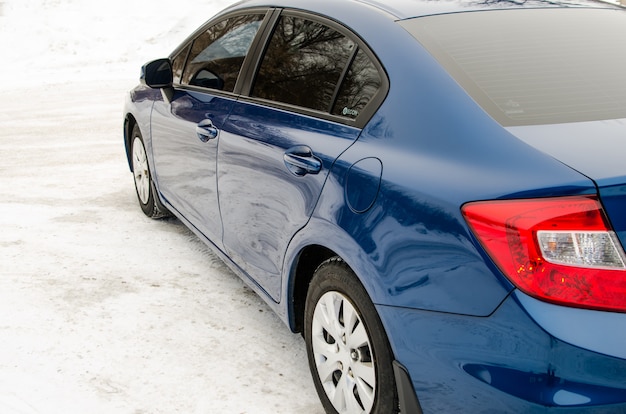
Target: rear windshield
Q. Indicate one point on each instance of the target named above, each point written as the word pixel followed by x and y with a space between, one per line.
pixel 535 66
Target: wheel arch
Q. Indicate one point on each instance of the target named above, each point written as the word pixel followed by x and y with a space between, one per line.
pixel 308 260
pixel 317 242
pixel 129 124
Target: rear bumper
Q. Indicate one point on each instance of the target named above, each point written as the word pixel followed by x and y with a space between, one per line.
pixel 503 363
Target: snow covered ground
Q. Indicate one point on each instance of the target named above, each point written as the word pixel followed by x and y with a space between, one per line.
pixel 101 309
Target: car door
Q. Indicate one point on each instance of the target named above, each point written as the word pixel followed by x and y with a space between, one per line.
pixel 186 123
pixel 280 141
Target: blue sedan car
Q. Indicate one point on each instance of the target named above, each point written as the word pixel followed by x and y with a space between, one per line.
pixel 432 192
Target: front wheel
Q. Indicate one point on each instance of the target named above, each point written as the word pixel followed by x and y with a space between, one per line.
pixel 143 179
pixel 349 355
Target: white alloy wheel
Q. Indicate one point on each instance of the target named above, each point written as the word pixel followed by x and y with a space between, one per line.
pixel 343 354
pixel 140 170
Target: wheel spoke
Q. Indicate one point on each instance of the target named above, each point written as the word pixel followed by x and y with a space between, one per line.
pixel 350 317
pixel 323 322
pixel 352 404
pixel 140 169
pixel 366 395
pixel 365 381
pixel 365 372
pixel 342 394
pixel 326 364
pixel 326 368
pixel 321 344
pixel 358 337
pixel 333 306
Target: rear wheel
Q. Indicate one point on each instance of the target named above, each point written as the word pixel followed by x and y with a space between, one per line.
pixel 349 355
pixel 143 179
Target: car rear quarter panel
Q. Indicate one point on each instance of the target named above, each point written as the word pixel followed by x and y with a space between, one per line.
pixel 438 149
pixel 412 248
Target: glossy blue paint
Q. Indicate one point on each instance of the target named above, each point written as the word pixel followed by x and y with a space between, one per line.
pixel 614 199
pixel 386 196
pixel 414 236
pixel 601 332
pixel 458 362
pixel 363 184
pixel 596 149
pixel 264 203
pixel 141 99
pixel 185 165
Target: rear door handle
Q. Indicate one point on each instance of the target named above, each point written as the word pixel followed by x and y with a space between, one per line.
pixel 301 161
pixel 206 130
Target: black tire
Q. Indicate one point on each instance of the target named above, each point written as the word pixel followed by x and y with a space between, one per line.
pixel 144 185
pixel 351 363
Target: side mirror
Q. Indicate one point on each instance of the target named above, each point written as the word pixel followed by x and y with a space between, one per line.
pixel 157 74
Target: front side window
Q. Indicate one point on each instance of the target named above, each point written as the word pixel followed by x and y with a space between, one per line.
pixel 303 64
pixel 217 55
pixel 178 63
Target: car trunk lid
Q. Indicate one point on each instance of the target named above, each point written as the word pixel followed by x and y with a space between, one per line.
pixel 596 149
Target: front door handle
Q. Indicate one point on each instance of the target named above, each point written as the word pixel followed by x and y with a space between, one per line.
pixel 206 130
pixel 301 161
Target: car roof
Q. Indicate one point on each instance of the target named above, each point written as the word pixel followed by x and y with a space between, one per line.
pixel 405 9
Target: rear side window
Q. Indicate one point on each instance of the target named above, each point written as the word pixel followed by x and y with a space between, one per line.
pixel 217 55
pixel 360 84
pixel 303 64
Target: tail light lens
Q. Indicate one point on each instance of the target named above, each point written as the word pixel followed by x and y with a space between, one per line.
pixel 561 250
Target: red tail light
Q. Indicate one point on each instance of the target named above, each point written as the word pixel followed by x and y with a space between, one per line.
pixel 560 250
